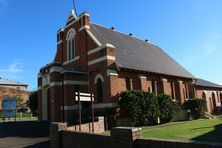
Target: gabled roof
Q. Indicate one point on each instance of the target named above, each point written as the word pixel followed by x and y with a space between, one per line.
pixel 10 82
pixel 201 82
pixel 133 53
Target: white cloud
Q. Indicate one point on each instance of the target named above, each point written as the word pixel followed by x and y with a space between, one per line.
pixel 13 70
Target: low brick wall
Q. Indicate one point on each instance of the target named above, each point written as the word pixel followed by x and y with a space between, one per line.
pixel 84 140
pixel 121 137
pixel 87 127
pixel 157 143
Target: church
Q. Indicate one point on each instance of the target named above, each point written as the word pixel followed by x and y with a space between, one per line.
pixel 94 59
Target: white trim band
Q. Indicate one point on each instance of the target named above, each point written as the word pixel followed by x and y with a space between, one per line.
pixel 84 27
pixel 104 105
pixel 101 59
pixel 55 69
pixel 59 42
pixel 142 77
pixel 67 82
pixel 70 107
pixel 75 59
pixel 93 38
pixel 55 84
pixel 111 72
pixel 100 48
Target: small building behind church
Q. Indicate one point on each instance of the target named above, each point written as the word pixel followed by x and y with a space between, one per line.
pixel 13 89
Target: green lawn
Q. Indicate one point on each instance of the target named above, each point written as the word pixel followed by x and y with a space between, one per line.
pixel 20 117
pixel 198 130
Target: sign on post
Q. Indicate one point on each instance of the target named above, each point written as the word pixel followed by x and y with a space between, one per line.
pixel 85 97
pixel 9 107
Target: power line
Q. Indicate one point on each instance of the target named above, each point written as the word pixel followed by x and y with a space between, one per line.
pixel 74 6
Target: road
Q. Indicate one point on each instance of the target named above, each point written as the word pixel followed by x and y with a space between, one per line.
pixel 29 134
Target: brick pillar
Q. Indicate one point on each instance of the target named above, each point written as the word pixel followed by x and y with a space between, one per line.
pixel 181 92
pixel 165 89
pixel 124 137
pixel 55 128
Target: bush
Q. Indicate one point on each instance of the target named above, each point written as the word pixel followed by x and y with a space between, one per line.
pixel 168 108
pixel 195 107
pixel 142 107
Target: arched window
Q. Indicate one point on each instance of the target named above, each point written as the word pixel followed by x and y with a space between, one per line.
pixel 127 81
pixel 221 98
pixel 99 87
pixel 214 101
pixel 203 95
pixel 70 44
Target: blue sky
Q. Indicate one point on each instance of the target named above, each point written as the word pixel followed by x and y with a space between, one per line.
pixel 188 30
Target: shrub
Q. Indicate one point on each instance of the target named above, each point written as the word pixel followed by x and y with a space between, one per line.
pixel 167 108
pixel 196 107
pixel 142 107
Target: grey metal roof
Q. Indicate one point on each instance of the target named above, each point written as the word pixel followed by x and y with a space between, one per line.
pixel 10 82
pixel 201 82
pixel 137 54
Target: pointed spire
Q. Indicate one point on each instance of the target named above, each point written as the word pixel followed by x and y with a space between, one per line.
pixel 72 14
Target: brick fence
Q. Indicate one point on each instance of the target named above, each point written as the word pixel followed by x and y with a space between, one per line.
pixel 121 137
pixel 87 127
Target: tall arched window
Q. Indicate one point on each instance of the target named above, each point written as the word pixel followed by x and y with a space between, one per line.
pixel 214 100
pixel 127 81
pixel 203 95
pixel 221 98
pixel 99 86
pixel 70 44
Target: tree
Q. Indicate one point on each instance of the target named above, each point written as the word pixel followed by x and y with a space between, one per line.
pixel 33 101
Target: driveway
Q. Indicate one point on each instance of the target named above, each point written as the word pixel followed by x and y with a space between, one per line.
pixel 24 134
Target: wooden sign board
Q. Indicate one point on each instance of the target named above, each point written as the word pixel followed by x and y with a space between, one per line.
pixel 84 97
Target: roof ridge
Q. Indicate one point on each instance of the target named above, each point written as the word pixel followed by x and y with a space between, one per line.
pixel 151 43
pixel 12 81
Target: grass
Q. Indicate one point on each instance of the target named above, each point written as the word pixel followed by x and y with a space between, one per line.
pixel 19 117
pixel 197 130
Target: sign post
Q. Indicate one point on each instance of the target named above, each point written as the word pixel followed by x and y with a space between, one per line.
pixel 85 97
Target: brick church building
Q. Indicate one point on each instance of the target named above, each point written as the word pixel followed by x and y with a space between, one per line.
pixel 92 58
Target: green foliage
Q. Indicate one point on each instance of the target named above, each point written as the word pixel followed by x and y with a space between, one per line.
pixel 33 101
pixel 167 108
pixel 142 107
pixel 196 107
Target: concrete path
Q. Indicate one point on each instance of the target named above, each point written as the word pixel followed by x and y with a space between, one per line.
pixel 27 134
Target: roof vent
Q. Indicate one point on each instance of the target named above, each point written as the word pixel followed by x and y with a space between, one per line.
pixel 146 40
pixel 112 28
pixel 130 34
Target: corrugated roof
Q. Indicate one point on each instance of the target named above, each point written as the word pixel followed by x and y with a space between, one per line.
pixel 9 82
pixel 136 54
pixel 201 82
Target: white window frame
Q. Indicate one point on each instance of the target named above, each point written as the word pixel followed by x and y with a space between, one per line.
pixel 70 38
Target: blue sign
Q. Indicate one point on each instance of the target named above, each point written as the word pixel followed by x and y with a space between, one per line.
pixel 9 107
